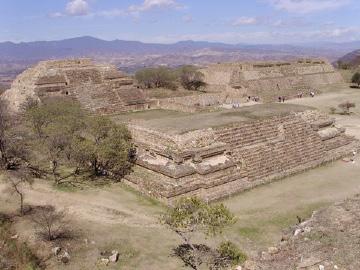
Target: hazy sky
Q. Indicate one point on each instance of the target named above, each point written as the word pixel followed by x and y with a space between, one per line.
pixel 165 21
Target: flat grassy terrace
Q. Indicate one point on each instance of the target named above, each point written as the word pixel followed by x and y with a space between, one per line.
pixel 173 122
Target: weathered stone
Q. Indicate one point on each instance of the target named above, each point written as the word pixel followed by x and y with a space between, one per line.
pixel 114 257
pixel 273 250
pixel 65 258
pixel 56 250
pixel 14 236
pixel 104 261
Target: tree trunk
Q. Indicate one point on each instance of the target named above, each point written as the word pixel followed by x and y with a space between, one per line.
pixel 21 204
pixel 53 171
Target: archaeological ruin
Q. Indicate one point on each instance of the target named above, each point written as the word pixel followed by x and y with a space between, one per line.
pixel 193 145
pixel 214 155
pixel 268 80
pixel 98 87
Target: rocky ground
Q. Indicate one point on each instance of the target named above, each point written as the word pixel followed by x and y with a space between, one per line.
pixel 329 240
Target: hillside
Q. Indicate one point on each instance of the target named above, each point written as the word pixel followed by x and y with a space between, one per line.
pixel 132 55
pixel 329 240
pixel 352 59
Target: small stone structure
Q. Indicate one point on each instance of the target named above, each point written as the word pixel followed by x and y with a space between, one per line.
pixel 269 80
pixel 219 161
pixel 99 88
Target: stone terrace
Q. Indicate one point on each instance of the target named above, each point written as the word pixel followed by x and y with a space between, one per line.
pixel 214 155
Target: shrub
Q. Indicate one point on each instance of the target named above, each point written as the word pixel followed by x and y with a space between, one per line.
pixel 191 78
pixel 230 254
pixel 346 106
pixel 356 79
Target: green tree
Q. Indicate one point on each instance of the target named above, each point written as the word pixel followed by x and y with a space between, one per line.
pixel 356 79
pixel 191 78
pixel 105 148
pixel 193 215
pixel 156 77
pixel 56 123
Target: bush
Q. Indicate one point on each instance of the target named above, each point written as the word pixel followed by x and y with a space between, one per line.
pixel 13 253
pixel 356 79
pixel 230 254
pixel 157 77
pixel 51 224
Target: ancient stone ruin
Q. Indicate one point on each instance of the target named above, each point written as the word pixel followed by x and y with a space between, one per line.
pixel 269 80
pixel 218 160
pixel 212 152
pixel 98 87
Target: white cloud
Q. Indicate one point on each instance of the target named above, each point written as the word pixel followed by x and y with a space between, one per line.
pixel 153 4
pixel 244 21
pixel 56 15
pixel 339 34
pixel 112 13
pixel 77 8
pixel 307 6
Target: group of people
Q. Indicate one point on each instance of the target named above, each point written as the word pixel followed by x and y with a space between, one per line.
pixel 299 95
pixel 255 99
pixel 281 99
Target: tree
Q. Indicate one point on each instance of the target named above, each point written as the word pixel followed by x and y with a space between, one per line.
pixel 156 77
pixel 346 106
pixel 104 147
pixel 51 223
pixel 356 79
pixel 191 78
pixel 17 181
pixel 192 215
pixel 13 144
pixel 56 125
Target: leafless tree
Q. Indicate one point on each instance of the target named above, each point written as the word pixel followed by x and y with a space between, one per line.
pixel 18 181
pixel 51 223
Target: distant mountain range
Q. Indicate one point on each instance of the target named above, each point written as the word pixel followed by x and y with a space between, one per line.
pixel 131 55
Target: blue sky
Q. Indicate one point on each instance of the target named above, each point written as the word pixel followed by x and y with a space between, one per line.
pixel 167 21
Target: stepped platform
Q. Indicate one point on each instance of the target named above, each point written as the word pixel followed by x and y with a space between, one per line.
pixel 100 88
pixel 217 154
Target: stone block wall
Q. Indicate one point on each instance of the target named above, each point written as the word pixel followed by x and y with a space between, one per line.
pixel 198 102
